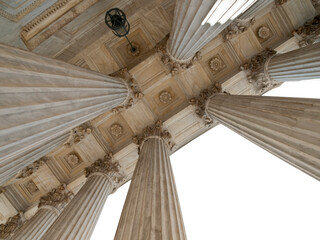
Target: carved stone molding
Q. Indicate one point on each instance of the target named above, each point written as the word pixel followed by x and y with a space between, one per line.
pixel 165 97
pixel 32 168
pixel 155 130
pixel 134 95
pixel 56 197
pixel 216 64
pixel 316 3
pixel 256 70
pixel 174 64
pixel 77 134
pixel 13 223
pixel 309 33
pixel 200 102
pixel 108 167
pixel 237 27
pixel 264 32
pixel 15 17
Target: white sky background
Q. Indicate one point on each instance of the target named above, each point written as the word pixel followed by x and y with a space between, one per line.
pixel 231 189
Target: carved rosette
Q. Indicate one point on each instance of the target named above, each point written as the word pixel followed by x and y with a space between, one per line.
pixel 13 224
pixel 237 27
pixel 174 64
pixel 32 168
pixel 155 130
pixel 309 33
pixel 108 167
pixel 56 197
pixel 201 100
pixel 77 134
pixel 136 51
pixel 257 68
pixel 264 32
pixel 134 94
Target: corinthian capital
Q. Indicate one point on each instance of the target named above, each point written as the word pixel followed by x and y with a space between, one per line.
pixel 257 71
pixel 309 33
pixel 11 225
pixel 200 102
pixel 155 130
pixel 56 197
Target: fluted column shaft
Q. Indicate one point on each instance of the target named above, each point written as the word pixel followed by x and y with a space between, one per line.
pixel 152 209
pixel 43 98
pixel 300 64
pixel 78 219
pixel 254 9
pixel 287 127
pixel 34 228
pixel 197 22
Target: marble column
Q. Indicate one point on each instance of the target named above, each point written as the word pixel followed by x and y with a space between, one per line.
pixel 41 99
pixel 197 22
pixel 151 210
pixel 78 219
pixel 300 64
pixel 286 127
pixel 50 207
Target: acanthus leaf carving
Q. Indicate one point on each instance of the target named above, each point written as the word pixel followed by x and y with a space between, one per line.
pixel 107 166
pixel 256 69
pixel 200 102
pixel 13 224
pixel 134 94
pixel 174 64
pixel 155 130
pixel 309 33
pixel 32 168
pixel 56 197
pixel 237 27
pixel 77 134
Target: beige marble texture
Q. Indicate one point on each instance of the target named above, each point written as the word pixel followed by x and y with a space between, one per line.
pixel 286 127
pixel 152 209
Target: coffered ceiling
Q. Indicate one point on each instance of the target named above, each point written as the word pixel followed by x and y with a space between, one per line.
pixel 74 31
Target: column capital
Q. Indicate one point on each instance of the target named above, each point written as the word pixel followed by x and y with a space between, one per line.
pixel 257 71
pixel 108 168
pixel 32 168
pixel 237 27
pixel 155 131
pixel 11 225
pixel 175 65
pixel 77 134
pixel 134 93
pixel 56 197
pixel 309 33
pixel 201 100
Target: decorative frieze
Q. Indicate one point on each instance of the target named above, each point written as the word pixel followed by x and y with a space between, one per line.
pixel 15 17
pixel 200 102
pixel 32 168
pixel 134 94
pixel 56 197
pixel 13 224
pixel 309 33
pixel 155 130
pixel 175 65
pixel 77 134
pixel 256 70
pixel 237 27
